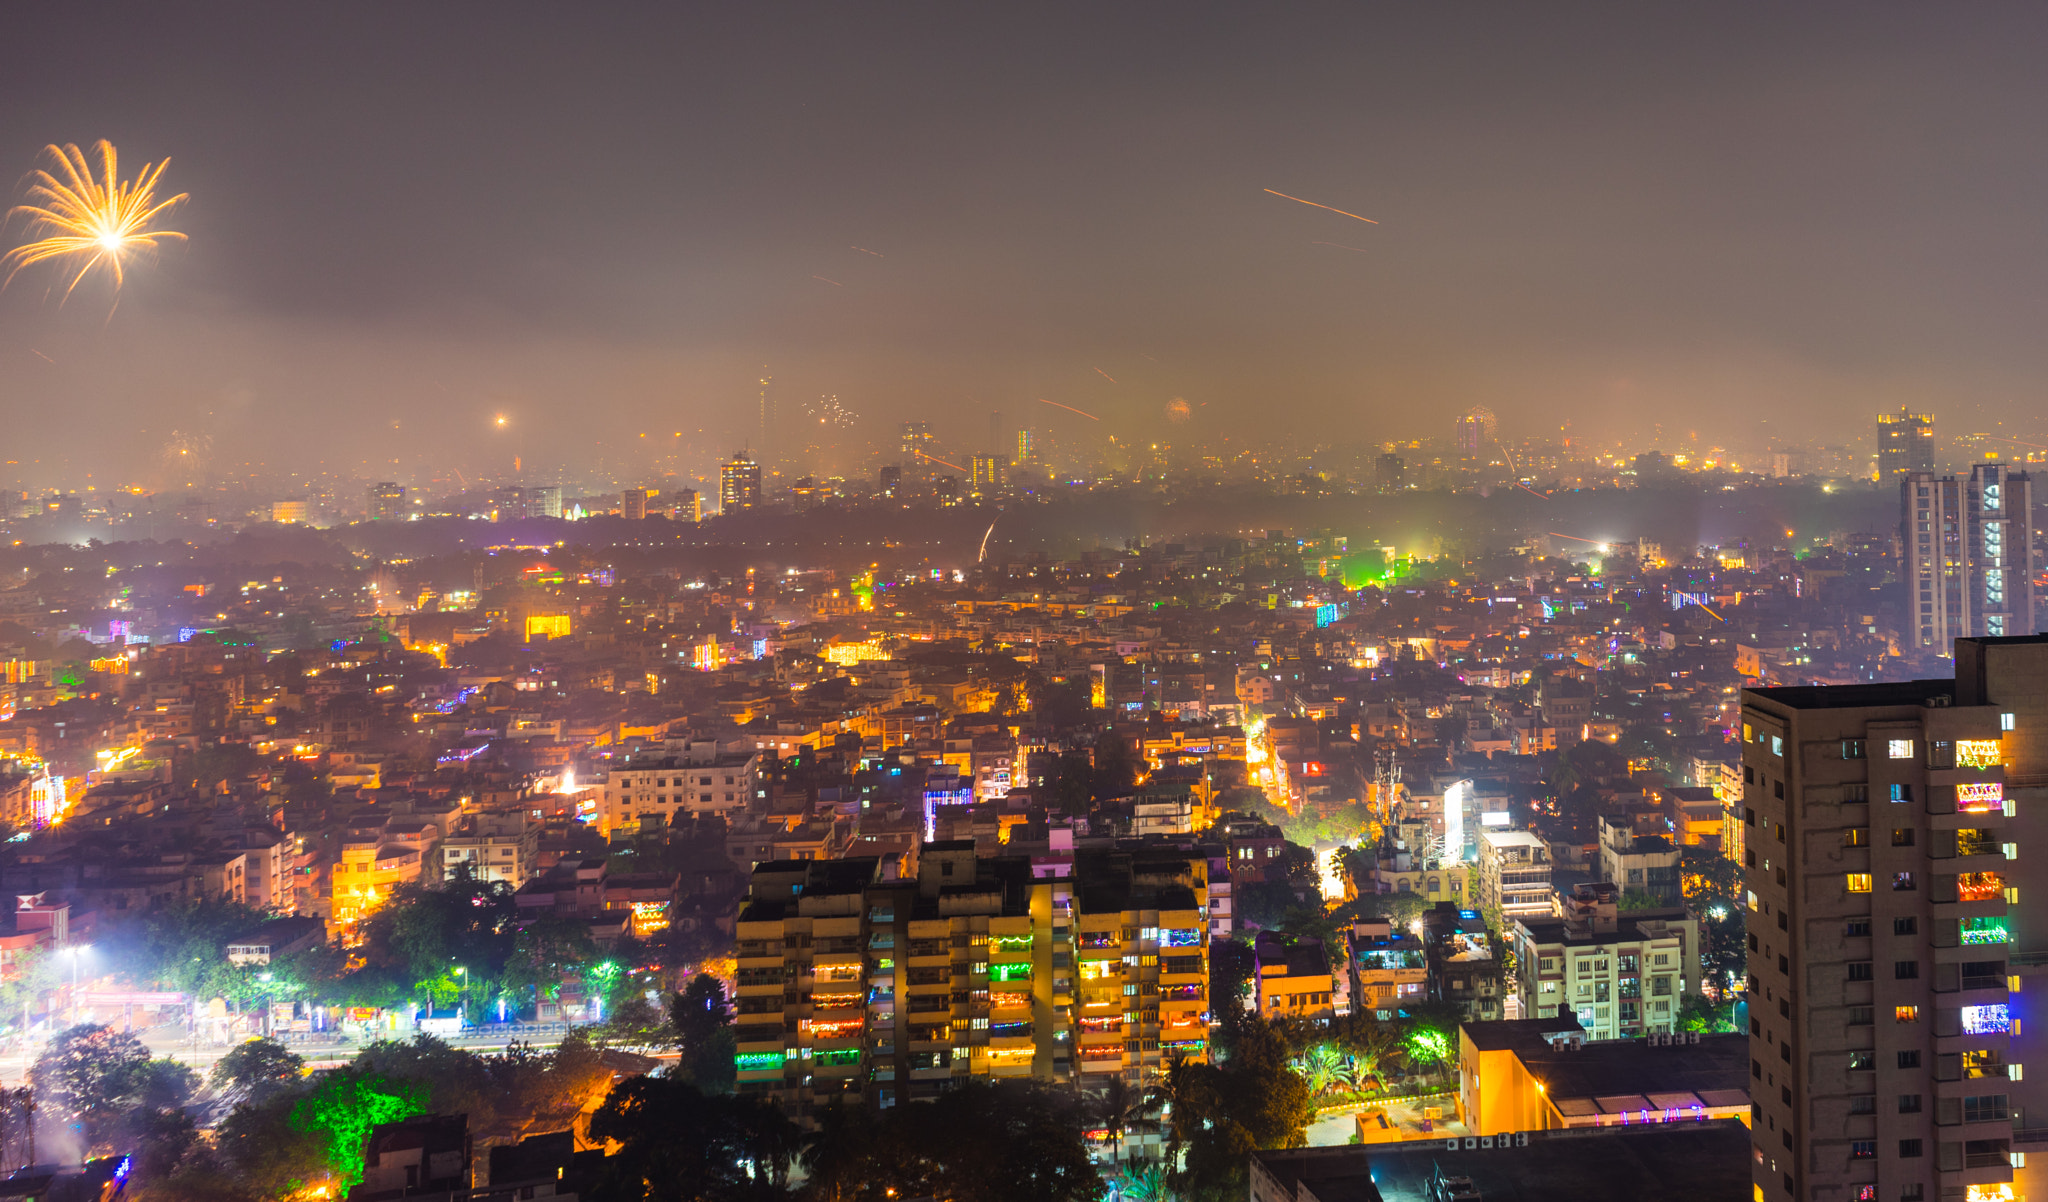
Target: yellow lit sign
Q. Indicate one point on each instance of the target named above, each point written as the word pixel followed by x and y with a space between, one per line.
pixel 554 626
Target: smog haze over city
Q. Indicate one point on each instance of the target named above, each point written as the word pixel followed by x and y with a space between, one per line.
pixel 1065 603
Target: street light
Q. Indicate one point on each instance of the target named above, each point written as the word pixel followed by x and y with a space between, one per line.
pixel 74 952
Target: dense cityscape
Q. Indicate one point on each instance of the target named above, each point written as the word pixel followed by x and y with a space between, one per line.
pixel 1046 777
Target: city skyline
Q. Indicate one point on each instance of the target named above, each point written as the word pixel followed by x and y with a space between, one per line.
pixel 1596 219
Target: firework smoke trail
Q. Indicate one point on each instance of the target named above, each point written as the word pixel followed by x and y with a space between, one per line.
pixel 935 459
pixel 1299 200
pixel 834 283
pixel 1105 375
pixel 864 250
pixel 1069 408
pixel 79 215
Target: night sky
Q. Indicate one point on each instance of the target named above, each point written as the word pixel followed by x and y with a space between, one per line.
pixel 1645 220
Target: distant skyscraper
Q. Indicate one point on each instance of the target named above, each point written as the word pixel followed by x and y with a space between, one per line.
pixel 764 434
pixel 683 505
pixel 1968 551
pixel 1474 429
pixel 1390 473
pixel 987 473
pixel 918 445
pixel 995 429
pixel 635 502
pixel 739 484
pixel 1027 445
pixel 1905 443
pixel 387 502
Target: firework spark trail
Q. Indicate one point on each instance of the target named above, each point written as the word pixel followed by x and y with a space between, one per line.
pixel 1069 408
pixel 834 283
pixel 984 539
pixel 864 250
pixel 1299 200
pixel 95 218
pixel 935 459
pixel 1341 246
pixel 1532 492
pixel 1105 375
pixel 1575 538
pixel 40 355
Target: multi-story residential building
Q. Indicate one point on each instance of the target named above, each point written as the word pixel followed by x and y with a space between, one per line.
pixel 386 502
pixel 1888 835
pixel 369 869
pixel 1968 551
pixel 1387 970
pixel 1465 965
pixel 1625 975
pixel 1514 874
pixel 652 791
pixel 1294 980
pixel 495 847
pixel 852 986
pixel 739 484
pixel 1905 443
pixel 1639 863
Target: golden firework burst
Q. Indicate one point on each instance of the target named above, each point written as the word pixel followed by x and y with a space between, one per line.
pixel 72 214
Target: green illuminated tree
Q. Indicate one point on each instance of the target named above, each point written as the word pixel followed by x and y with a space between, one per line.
pixel 344 1106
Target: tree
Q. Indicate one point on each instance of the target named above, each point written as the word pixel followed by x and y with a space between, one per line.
pixel 1221 1112
pixel 703 1025
pixel 1119 1107
pixel 680 1144
pixel 257 1070
pixel 89 1077
pixel 342 1109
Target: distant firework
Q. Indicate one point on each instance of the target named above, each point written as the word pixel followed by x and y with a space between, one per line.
pixel 86 220
pixel 1178 410
pixel 827 412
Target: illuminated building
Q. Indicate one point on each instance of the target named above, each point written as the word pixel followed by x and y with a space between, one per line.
pixel 765 418
pixel 918 446
pixel 1905 443
pixel 683 506
pixel 1544 1074
pixel 1294 977
pixel 1968 554
pixel 1889 875
pixel 987 473
pixel 1624 975
pixel 286 512
pixel 1388 970
pixel 852 984
pixel 496 847
pixel 635 502
pixel 1027 445
pixel 1514 873
pixel 739 484
pixel 654 790
pixel 387 502
pixel 369 869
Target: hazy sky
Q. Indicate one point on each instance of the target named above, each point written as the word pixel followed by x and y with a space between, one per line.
pixel 604 223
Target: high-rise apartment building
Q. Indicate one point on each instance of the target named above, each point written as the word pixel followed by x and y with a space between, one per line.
pixel 683 506
pixel 1624 974
pixel 918 446
pixel 765 424
pixel 1027 445
pixel 635 502
pixel 1968 554
pixel 856 986
pixel 1893 891
pixel 1905 443
pixel 739 484
pixel 987 473
pixel 387 502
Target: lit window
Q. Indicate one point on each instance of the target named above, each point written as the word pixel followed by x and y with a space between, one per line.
pixel 1906 1014
pixel 1859 882
pixel 1899 749
pixel 2005 721
pixel 1979 753
pixel 1978 886
pixel 1994 1019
